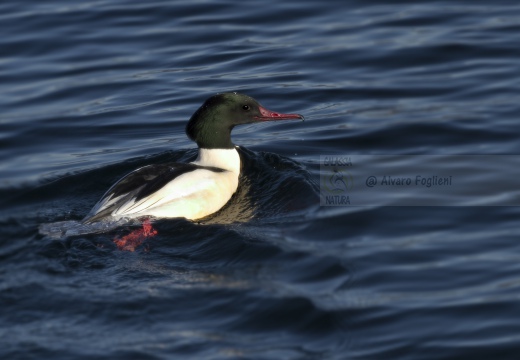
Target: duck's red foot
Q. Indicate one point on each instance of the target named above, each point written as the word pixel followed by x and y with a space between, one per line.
pixel 131 241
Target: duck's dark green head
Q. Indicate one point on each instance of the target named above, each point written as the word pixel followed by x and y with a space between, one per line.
pixel 210 127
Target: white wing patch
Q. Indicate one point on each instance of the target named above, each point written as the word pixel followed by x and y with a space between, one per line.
pixel 191 195
pixel 195 190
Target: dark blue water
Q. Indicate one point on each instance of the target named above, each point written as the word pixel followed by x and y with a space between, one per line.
pixel 94 89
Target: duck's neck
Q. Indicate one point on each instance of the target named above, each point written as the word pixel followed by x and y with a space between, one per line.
pixel 227 159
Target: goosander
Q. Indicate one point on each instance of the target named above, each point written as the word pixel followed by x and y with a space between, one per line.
pixel 189 190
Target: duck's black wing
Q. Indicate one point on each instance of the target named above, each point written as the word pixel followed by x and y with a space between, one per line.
pixel 137 185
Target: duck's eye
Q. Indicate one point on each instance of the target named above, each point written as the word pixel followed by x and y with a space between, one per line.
pixel 245 107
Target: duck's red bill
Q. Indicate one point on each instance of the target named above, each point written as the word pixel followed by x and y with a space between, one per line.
pixel 268 115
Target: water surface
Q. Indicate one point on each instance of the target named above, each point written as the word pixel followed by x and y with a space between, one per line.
pixel 92 90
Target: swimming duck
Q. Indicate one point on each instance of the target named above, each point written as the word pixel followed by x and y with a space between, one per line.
pixel 190 190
